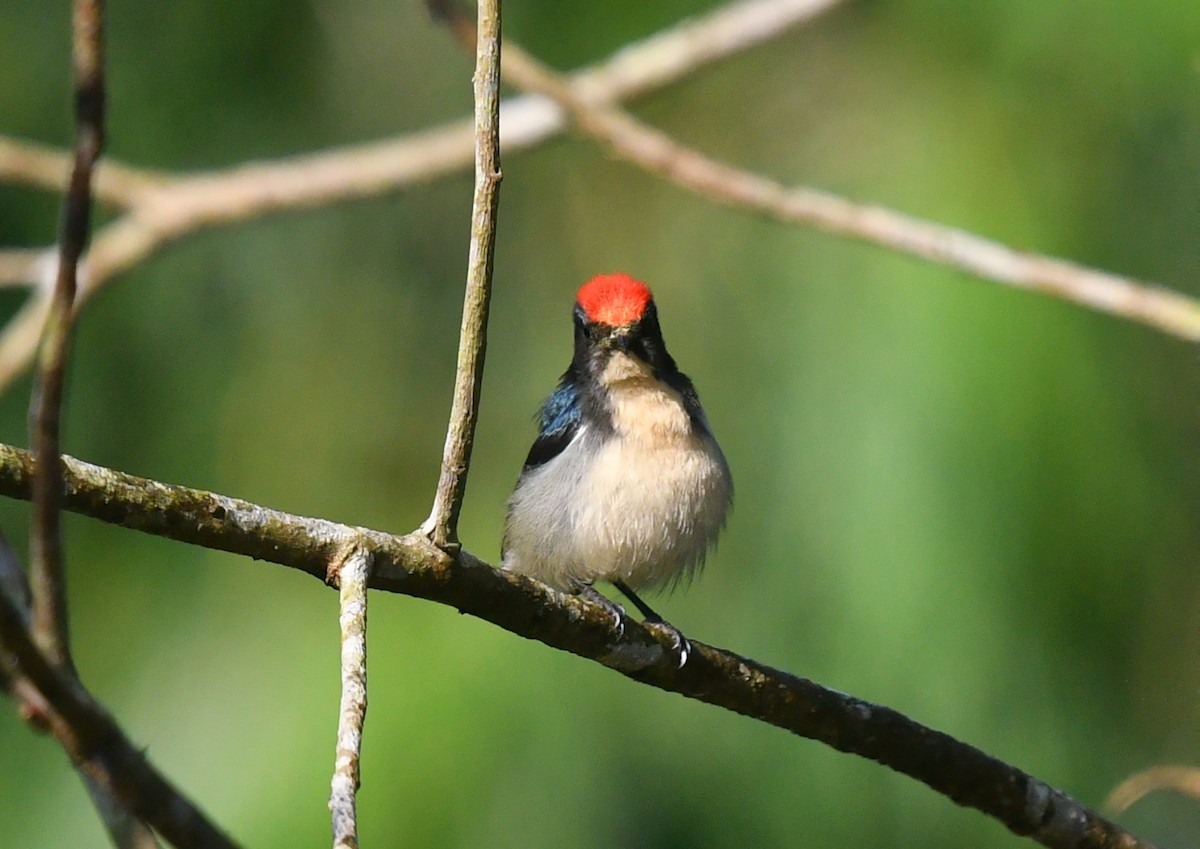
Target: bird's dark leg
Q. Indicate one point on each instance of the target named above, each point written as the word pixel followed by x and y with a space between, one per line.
pixel 646 610
pixel 653 620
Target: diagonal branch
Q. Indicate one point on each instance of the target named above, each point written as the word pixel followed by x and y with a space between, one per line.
pixel 95 743
pixel 1164 310
pixel 414 566
pixel 638 68
pixel 442 524
pixel 163 209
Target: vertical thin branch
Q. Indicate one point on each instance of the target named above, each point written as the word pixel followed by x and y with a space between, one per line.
pixel 49 625
pixel 352 584
pixel 442 524
pixel 50 628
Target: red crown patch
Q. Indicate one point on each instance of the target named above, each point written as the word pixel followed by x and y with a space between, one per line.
pixel 613 299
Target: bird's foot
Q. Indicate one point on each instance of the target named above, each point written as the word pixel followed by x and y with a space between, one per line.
pixel 616 611
pixel 679 643
pixel 654 622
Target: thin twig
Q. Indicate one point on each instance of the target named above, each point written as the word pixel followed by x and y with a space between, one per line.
pixel 412 565
pixel 27 266
pixel 1181 779
pixel 638 68
pixel 442 524
pixel 97 745
pixel 163 210
pixel 49 623
pixel 31 164
pixel 352 570
pixel 48 579
pixel 656 152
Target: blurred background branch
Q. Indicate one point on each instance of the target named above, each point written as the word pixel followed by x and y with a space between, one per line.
pixel 165 208
pixel 1184 780
pixel 120 779
pixel 27 163
pixel 35 649
pixel 659 154
pixel 98 747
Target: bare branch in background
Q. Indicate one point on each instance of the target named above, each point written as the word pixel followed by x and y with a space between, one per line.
pixel 350 576
pixel 656 152
pixel 442 524
pixel 412 565
pixel 27 266
pixel 41 166
pixel 163 209
pixel 1180 779
pixel 49 624
pixel 95 743
pixel 636 69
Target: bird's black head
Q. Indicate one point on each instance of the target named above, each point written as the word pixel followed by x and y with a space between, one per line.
pixel 615 313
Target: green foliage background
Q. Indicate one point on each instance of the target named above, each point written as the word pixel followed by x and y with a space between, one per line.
pixel 973 504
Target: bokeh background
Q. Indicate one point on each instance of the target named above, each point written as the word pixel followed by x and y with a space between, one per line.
pixel 972 504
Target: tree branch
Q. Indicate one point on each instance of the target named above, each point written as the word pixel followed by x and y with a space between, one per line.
pixel 95 743
pixel 41 166
pixel 638 68
pixel 414 566
pixel 442 524
pixel 124 829
pixel 350 576
pixel 1164 310
pixel 49 624
pixel 48 616
pixel 27 266
pixel 1184 780
pixel 165 208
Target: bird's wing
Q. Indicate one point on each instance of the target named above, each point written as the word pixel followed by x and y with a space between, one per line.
pixel 558 422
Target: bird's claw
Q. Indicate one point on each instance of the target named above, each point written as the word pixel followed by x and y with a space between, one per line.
pixel 615 610
pixel 680 646
pixel 679 643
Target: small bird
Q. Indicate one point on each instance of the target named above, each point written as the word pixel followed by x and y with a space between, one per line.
pixel 625 482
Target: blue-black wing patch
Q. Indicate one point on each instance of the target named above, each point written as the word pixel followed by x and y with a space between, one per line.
pixel 557 425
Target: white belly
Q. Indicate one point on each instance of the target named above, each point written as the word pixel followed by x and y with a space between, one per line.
pixel 641 505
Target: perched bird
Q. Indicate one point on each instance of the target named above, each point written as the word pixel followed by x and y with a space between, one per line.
pixel 625 482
